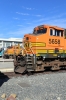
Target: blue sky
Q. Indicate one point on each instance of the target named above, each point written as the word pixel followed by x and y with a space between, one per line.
pixel 18 17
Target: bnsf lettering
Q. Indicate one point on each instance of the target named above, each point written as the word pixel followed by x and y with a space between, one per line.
pixel 26 44
pixel 54 41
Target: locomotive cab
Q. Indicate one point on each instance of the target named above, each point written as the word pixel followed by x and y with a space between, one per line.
pixel 56 37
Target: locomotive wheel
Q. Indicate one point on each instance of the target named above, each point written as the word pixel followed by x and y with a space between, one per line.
pixel 40 66
pixel 55 67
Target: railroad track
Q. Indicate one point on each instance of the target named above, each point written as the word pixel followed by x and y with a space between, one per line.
pixel 12 74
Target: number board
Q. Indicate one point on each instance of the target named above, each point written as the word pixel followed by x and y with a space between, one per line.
pixel 54 41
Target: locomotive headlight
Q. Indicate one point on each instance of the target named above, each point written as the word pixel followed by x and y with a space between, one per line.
pixel 27 38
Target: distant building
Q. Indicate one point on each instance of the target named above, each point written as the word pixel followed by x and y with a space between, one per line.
pixel 8 42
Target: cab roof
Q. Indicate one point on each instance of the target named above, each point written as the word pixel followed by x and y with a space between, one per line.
pixel 49 26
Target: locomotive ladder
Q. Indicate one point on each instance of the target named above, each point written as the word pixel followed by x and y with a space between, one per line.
pixel 30 62
pixel 30 59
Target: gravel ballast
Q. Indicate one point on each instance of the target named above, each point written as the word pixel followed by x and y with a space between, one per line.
pixel 36 87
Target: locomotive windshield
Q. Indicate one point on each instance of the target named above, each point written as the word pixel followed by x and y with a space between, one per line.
pixel 40 31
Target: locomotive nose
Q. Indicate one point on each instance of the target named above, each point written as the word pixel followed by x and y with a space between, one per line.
pixel 26 38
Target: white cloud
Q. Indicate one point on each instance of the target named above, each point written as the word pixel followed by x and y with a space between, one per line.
pixel 28 14
pixel 22 13
pixel 28 8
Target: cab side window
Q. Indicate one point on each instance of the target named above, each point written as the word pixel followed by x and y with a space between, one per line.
pixel 51 32
pixel 58 33
pixel 54 32
pixel 62 33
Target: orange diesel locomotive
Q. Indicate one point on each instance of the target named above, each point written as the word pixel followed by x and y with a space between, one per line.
pixel 12 50
pixel 44 48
